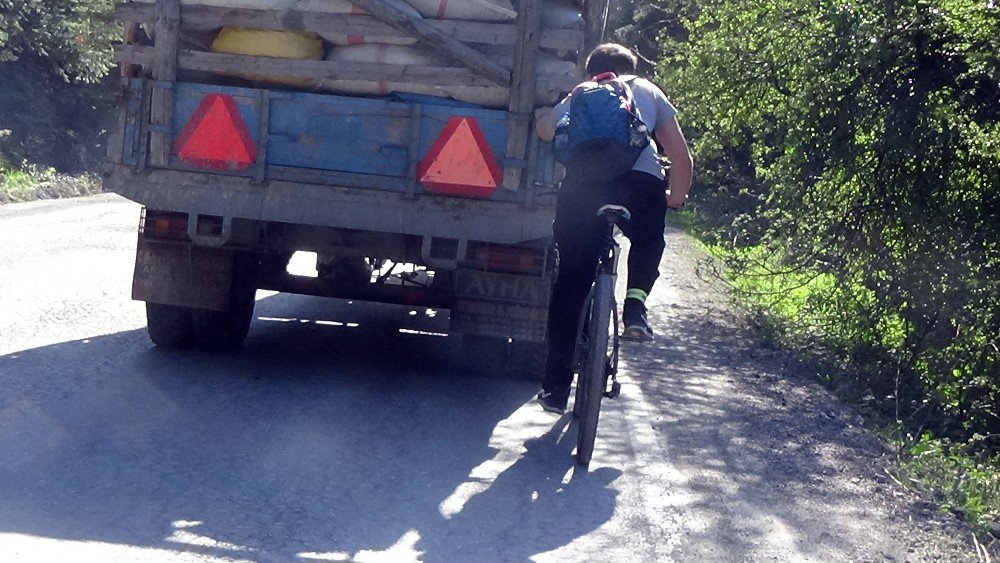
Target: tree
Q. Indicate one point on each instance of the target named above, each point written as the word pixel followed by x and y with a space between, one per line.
pixel 72 36
pixel 858 145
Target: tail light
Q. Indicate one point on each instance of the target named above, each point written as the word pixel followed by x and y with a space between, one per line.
pixel 164 225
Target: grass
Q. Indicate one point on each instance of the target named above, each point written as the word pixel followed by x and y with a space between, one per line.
pixel 953 478
pixel 28 182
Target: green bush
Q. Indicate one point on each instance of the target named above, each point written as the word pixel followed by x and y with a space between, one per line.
pixel 849 157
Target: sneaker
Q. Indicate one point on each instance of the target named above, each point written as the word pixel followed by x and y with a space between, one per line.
pixel 636 326
pixel 550 403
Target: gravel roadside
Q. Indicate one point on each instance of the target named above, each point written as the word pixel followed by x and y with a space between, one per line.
pixel 779 468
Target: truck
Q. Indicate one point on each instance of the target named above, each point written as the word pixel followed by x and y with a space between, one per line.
pixel 239 160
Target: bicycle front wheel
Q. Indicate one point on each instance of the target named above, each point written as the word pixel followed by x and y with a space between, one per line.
pixel 591 378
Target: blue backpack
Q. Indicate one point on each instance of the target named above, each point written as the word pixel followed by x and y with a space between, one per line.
pixel 604 134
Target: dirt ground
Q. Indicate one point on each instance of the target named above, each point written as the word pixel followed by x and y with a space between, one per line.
pixel 768 450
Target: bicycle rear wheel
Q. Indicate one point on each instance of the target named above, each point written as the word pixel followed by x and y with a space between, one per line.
pixel 581 353
pixel 591 379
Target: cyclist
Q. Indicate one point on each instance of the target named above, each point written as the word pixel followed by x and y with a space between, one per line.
pixel 577 230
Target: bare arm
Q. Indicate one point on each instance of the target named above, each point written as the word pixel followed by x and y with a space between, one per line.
pixel 546 120
pixel 670 136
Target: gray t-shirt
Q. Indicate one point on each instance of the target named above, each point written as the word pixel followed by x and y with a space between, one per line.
pixel 653 107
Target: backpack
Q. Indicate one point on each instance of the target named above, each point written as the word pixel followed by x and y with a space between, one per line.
pixel 603 134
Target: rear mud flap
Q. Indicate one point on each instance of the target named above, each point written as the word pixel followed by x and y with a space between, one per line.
pixel 187 276
pixel 501 305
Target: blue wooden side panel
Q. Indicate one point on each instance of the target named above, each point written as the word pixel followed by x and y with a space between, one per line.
pixel 338 134
pixel 130 138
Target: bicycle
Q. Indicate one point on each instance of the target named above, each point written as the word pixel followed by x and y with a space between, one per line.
pixel 596 352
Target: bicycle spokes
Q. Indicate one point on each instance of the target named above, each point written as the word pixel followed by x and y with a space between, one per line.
pixel 611 368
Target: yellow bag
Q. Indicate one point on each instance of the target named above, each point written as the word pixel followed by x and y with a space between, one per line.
pixel 302 45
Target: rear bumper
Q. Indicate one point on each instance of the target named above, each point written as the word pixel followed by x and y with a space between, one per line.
pixel 332 206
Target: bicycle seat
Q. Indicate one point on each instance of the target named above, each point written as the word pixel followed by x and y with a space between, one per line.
pixel 614 213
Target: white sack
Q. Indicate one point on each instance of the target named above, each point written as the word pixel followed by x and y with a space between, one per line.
pixel 489 96
pixel 561 14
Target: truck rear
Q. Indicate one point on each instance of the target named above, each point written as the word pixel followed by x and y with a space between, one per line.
pixel 241 159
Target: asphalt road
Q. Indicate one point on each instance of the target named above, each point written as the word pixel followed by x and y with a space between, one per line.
pixel 347 432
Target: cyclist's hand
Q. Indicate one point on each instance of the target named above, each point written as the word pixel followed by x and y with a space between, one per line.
pixel 676 202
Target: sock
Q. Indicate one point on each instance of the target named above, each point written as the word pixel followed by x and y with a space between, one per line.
pixel 637 294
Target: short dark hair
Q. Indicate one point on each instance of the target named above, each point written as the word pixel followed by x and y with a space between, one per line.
pixel 611 57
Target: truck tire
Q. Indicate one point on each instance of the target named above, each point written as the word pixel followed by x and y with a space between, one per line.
pixel 169 326
pixel 225 331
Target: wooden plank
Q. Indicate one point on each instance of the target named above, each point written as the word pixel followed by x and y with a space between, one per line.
pixel 225 63
pixel 522 90
pixel 164 65
pixel 323 23
pixel 242 64
pixel 143 134
pixel 116 139
pixel 429 35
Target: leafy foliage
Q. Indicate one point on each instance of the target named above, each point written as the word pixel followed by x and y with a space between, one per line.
pixel 49 122
pixel 49 51
pixel 953 478
pixel 74 36
pixel 852 151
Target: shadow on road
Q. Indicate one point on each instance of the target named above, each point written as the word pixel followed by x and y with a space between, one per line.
pixel 773 466
pixel 332 435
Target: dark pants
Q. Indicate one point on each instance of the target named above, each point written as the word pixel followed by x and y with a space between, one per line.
pixel 578 231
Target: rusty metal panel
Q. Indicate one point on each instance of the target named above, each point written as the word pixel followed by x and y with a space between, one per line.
pixel 502 305
pixel 188 276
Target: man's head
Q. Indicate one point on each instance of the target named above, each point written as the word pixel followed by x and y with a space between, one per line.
pixel 611 57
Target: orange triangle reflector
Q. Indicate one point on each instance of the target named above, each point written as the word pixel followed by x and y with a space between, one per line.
pixel 216 136
pixel 460 161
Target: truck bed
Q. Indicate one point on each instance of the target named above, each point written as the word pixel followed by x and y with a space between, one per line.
pixel 330 160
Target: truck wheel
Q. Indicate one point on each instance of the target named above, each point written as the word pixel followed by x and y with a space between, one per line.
pixel 527 360
pixel 225 331
pixel 169 326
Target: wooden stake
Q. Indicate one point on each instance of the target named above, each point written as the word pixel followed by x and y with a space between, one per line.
pixel 168 23
pixel 522 90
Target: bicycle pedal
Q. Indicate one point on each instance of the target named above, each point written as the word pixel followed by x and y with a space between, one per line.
pixel 616 389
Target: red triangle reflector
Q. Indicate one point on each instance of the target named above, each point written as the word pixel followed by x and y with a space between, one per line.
pixel 216 136
pixel 460 161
